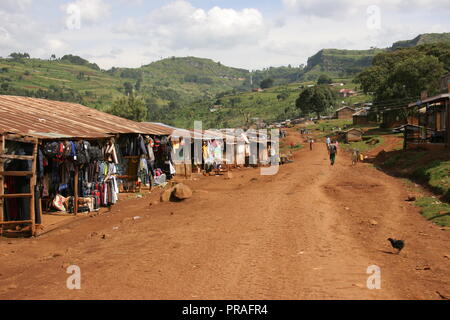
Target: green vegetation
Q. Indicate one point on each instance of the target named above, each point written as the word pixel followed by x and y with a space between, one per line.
pixel 427 38
pixel 316 100
pixel 131 107
pixel 427 168
pixel 435 210
pixel 267 83
pixel 329 126
pixel 436 175
pixel 398 77
pixel 338 63
pixel 369 142
pixel 324 79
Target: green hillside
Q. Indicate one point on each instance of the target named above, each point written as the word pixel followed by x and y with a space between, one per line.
pixel 348 63
pixel 427 38
pixel 339 63
pixel 174 79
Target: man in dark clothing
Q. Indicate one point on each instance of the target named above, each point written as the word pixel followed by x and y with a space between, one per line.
pixel 333 152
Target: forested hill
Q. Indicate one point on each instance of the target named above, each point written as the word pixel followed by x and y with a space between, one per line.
pixel 427 38
pixel 348 63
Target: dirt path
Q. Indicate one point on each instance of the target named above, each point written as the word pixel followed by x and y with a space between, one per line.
pixel 309 232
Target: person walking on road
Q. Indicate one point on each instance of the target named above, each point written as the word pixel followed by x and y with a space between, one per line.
pixel 311 143
pixel 355 156
pixel 333 152
pixel 328 142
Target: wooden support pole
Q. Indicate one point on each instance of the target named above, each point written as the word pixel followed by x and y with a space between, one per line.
pixel 33 190
pixel 75 188
pixel 2 182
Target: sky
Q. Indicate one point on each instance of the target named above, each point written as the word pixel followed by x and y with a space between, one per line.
pixel 246 34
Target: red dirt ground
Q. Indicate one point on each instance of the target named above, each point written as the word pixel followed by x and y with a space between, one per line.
pixel 309 232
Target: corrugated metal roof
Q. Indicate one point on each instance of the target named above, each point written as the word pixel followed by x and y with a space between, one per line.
pixel 431 99
pixel 48 119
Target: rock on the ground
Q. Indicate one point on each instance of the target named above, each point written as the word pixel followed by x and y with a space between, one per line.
pixel 182 191
pixel 166 195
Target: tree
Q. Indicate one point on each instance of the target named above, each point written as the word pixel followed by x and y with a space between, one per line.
pixel 283 96
pixel 266 83
pixel 400 76
pixel 324 79
pixel 138 85
pixel 316 100
pixel 128 87
pixel 131 107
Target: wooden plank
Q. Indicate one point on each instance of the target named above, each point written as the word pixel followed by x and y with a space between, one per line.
pixel 15 157
pixel 15 222
pixel 16 173
pixel 2 180
pixel 12 196
pixel 75 188
pixel 20 139
pixel 32 190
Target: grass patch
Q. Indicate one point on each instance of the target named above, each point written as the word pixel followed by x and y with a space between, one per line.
pixel 328 126
pixel 436 174
pixel 296 147
pixel 403 160
pixel 365 145
pixel 434 210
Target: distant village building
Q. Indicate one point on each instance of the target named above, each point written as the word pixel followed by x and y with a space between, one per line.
pixel 347 93
pixel 344 113
pixel 353 135
pixel 429 128
pixel 364 116
pixel 257 90
pixel 215 108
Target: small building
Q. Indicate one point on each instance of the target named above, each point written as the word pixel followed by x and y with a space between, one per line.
pixel 361 117
pixel 431 130
pixel 257 90
pixel 353 135
pixel 345 113
pixel 364 116
pixel 347 93
pixel 393 119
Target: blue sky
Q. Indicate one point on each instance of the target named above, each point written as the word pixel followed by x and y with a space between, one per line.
pixel 248 34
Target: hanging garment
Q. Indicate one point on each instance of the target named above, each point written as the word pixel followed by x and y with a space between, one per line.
pixel 110 153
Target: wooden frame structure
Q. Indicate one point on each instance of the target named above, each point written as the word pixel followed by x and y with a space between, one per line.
pixel 32 174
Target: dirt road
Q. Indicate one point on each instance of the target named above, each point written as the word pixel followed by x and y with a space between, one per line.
pixel 309 232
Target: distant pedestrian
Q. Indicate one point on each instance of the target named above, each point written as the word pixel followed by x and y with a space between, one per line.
pixel 311 143
pixel 333 152
pixel 328 142
pixel 355 156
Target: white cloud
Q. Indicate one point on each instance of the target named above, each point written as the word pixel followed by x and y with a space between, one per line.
pixel 181 25
pixel 15 5
pixel 348 8
pixel 91 11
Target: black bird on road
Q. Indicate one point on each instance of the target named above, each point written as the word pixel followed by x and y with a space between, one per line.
pixel 397 244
